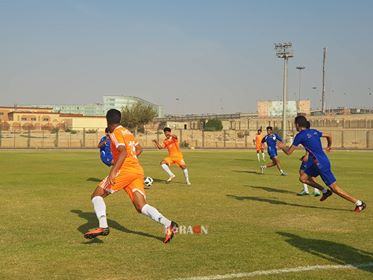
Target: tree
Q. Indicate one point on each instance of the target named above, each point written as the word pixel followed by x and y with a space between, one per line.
pixel 214 125
pixel 138 115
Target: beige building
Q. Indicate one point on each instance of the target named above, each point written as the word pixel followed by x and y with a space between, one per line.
pixel 24 118
pixel 274 108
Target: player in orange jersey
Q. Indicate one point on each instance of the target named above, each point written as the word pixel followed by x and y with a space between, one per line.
pixel 126 174
pixel 171 143
pixel 257 141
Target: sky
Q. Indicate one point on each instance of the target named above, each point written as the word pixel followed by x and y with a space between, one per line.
pixel 205 56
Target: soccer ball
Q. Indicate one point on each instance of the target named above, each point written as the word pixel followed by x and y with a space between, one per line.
pixel 148 181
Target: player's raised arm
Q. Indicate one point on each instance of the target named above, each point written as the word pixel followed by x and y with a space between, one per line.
pixel 329 141
pixel 159 146
pixel 118 163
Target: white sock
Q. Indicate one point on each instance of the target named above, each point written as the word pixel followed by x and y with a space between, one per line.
pixel 264 156
pixel 305 188
pixel 100 209
pixel 316 190
pixel 186 175
pixel 282 171
pixel 258 156
pixel 167 169
pixel 358 203
pixel 154 214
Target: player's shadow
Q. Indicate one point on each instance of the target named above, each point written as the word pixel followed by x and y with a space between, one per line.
pixel 91 222
pixel 244 159
pixel 332 251
pixel 270 189
pixel 247 171
pixel 157 180
pixel 92 179
pixel 279 202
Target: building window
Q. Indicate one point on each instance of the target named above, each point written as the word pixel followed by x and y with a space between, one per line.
pixel 45 119
pixel 33 119
pixel 23 119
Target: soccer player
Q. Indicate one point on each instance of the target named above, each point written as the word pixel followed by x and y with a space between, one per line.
pixel 257 141
pixel 104 146
pixel 318 163
pixel 303 167
pixel 271 139
pixel 171 143
pixel 126 174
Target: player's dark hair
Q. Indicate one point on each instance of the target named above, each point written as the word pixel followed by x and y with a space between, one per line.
pixel 107 130
pixel 301 121
pixel 113 116
pixel 167 129
pixel 269 127
pixel 259 130
pixel 308 125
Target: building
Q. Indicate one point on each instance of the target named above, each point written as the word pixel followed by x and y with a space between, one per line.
pixel 35 118
pixel 274 108
pixel 99 109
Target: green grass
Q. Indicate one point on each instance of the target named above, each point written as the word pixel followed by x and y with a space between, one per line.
pixel 255 222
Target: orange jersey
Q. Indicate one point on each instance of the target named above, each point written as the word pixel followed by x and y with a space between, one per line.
pixel 258 141
pixel 123 137
pixel 172 145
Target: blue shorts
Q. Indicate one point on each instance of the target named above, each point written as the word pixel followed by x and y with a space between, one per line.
pixel 106 158
pixel 272 153
pixel 326 174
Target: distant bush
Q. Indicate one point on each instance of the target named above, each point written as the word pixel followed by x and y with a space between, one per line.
pixel 55 130
pixel 184 144
pixel 91 131
pixel 213 125
pixel 71 131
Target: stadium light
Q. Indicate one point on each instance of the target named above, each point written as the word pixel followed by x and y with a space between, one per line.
pixel 300 68
pixel 284 51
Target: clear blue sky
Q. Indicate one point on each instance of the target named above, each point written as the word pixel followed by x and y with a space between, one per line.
pixel 214 55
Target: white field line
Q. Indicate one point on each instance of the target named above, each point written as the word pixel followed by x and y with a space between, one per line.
pixel 278 271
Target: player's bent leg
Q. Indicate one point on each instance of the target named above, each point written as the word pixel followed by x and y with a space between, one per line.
pixel 100 210
pixel 185 171
pixel 360 205
pixel 165 164
pixel 277 163
pixel 141 205
pixel 309 180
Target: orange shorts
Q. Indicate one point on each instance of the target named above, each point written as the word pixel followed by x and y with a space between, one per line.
pixel 259 149
pixel 130 182
pixel 174 160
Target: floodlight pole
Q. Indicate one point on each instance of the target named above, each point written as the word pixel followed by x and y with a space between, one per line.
pixel 323 82
pixel 283 50
pixel 300 68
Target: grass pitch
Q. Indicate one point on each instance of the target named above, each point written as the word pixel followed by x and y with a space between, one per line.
pixel 255 222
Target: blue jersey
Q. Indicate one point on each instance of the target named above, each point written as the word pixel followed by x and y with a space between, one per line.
pixel 105 151
pixel 271 141
pixel 310 140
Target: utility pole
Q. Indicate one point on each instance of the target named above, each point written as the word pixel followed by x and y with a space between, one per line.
pixel 284 50
pixel 300 68
pixel 323 82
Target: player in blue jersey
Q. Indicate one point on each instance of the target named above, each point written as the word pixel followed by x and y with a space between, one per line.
pixel 318 163
pixel 302 168
pixel 271 139
pixel 105 152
